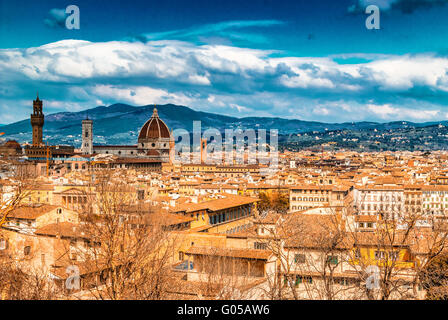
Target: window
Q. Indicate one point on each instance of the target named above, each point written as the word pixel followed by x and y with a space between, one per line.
pixel 380 255
pixel 298 280
pixel 358 253
pixel 393 255
pixel 333 260
pixel 344 281
pixel 140 194
pixel 299 258
pixel 27 250
pixel 260 245
pixel 181 256
pixel 3 244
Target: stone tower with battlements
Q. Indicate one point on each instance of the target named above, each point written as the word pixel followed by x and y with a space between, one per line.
pixel 37 122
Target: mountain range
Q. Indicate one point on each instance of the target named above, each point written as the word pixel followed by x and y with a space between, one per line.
pixel 120 124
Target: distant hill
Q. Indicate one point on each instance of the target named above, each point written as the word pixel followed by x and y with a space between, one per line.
pixel 121 123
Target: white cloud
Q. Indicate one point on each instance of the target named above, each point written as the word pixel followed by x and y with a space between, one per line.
pixel 139 95
pixel 180 62
pixel 239 81
pixel 388 112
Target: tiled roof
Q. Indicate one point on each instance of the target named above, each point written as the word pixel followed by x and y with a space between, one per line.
pixel 31 212
pixel 231 252
pixel 63 229
pixel 214 205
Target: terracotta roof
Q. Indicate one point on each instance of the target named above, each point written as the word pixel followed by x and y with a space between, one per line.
pixel 231 252
pixel 153 152
pixel 318 230
pixel 151 216
pixel 30 212
pixel 84 268
pixel 63 229
pixel 134 160
pixel 435 188
pixel 12 144
pixel 366 218
pixel 154 128
pixel 214 205
pixel 42 187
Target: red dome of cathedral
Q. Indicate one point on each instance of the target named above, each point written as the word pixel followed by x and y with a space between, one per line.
pixel 154 128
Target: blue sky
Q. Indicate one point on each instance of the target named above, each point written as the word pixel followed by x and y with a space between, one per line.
pixel 310 60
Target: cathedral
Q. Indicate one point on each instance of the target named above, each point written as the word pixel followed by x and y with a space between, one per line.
pixel 155 146
pixel 155 142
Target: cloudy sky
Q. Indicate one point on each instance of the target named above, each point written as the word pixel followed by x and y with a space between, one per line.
pixel 309 60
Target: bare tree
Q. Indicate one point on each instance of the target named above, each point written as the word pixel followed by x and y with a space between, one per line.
pixel 13 194
pixel 225 277
pixel 131 246
pixel 393 253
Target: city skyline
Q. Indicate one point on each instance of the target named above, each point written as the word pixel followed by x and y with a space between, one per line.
pixel 279 59
pixel 225 151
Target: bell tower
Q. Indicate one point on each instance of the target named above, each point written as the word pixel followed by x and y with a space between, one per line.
pixel 37 121
pixel 87 136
